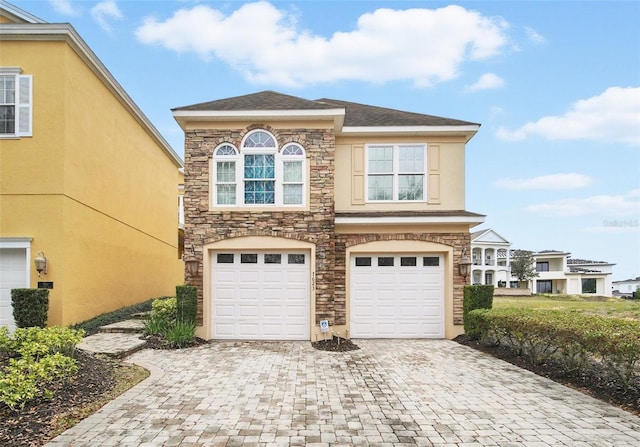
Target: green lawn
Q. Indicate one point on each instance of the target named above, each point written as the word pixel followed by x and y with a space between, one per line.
pixel 611 307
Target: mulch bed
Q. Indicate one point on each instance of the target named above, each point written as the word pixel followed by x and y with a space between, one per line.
pixel 32 426
pixel 335 344
pixel 599 384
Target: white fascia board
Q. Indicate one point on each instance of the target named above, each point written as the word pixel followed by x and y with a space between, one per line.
pixel 184 116
pixel 389 220
pixel 66 32
pixel 409 129
pixel 20 14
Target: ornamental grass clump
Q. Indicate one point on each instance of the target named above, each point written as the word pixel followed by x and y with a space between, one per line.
pixel 173 319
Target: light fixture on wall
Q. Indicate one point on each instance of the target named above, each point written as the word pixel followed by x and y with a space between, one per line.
pixel 464 264
pixel 41 263
pixel 191 262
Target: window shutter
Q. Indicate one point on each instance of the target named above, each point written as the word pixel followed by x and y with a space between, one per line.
pixel 433 182
pixel 25 99
pixel 357 174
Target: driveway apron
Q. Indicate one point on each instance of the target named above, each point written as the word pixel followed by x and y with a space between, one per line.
pixel 388 393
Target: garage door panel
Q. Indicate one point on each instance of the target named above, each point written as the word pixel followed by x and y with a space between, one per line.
pixel 265 299
pixel 13 275
pixel 403 299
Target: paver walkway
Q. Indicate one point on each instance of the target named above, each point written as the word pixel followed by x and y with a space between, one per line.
pixel 389 393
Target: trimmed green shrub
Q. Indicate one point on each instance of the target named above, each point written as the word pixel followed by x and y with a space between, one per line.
pixel 40 359
pixel 475 297
pixel 30 307
pixel 186 303
pixel 576 341
pixel 164 309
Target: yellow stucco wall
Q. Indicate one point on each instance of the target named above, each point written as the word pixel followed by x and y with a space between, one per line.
pixel 91 187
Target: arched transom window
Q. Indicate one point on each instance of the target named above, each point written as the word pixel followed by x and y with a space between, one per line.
pixel 259 173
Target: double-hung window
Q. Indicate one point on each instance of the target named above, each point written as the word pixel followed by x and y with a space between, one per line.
pixel 15 103
pixel 259 173
pixel 396 172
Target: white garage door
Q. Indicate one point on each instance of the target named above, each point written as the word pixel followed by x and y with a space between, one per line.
pixel 13 275
pixel 260 296
pixel 397 296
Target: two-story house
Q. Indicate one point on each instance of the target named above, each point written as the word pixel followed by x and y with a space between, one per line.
pixel 87 183
pixel 559 273
pixel 300 211
pixel 491 259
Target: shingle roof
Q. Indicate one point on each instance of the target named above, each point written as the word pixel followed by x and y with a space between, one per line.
pixel 266 100
pixel 356 115
pixel 365 115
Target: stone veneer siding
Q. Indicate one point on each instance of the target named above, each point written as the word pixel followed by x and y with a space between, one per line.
pixel 204 226
pixel 343 241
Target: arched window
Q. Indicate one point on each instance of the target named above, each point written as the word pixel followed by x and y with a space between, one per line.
pixel 293 173
pixel 259 173
pixel 225 165
pixel 259 153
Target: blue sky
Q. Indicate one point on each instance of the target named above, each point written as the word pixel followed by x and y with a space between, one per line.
pixel 555 85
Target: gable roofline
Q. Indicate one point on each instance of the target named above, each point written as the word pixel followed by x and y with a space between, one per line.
pixel 349 118
pixel 478 235
pixel 264 105
pixel 16 14
pixel 65 32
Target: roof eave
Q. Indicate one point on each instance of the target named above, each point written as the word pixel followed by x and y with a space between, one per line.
pixel 336 116
pixel 18 15
pixel 408 220
pixel 66 32
pixel 467 131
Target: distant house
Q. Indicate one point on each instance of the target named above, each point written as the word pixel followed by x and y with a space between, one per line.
pixel 86 181
pixel 626 288
pixel 300 212
pixel 491 258
pixel 559 273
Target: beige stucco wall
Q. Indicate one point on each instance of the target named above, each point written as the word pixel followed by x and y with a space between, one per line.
pixel 91 187
pixel 445 174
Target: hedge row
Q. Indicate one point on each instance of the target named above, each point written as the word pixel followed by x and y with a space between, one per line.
pixel 578 342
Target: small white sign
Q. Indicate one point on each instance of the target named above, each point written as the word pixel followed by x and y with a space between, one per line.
pixel 324 325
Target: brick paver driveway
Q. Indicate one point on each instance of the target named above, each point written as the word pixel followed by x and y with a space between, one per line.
pixel 389 393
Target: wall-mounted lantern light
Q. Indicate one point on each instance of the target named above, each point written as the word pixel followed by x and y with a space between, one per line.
pixel 41 264
pixel 191 262
pixel 464 265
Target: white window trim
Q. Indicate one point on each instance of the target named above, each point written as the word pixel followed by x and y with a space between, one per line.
pixel 396 173
pixel 22 243
pixel 22 109
pixel 279 160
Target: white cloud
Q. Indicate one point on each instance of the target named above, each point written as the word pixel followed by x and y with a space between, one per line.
pixel 264 43
pixel 553 181
pixel 613 116
pixel 607 206
pixel 104 12
pixel 534 36
pixel 487 81
pixel 64 7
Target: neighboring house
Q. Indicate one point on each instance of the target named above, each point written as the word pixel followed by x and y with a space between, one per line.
pixel 299 212
pixel 491 259
pixel 626 288
pixel 85 179
pixel 558 273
